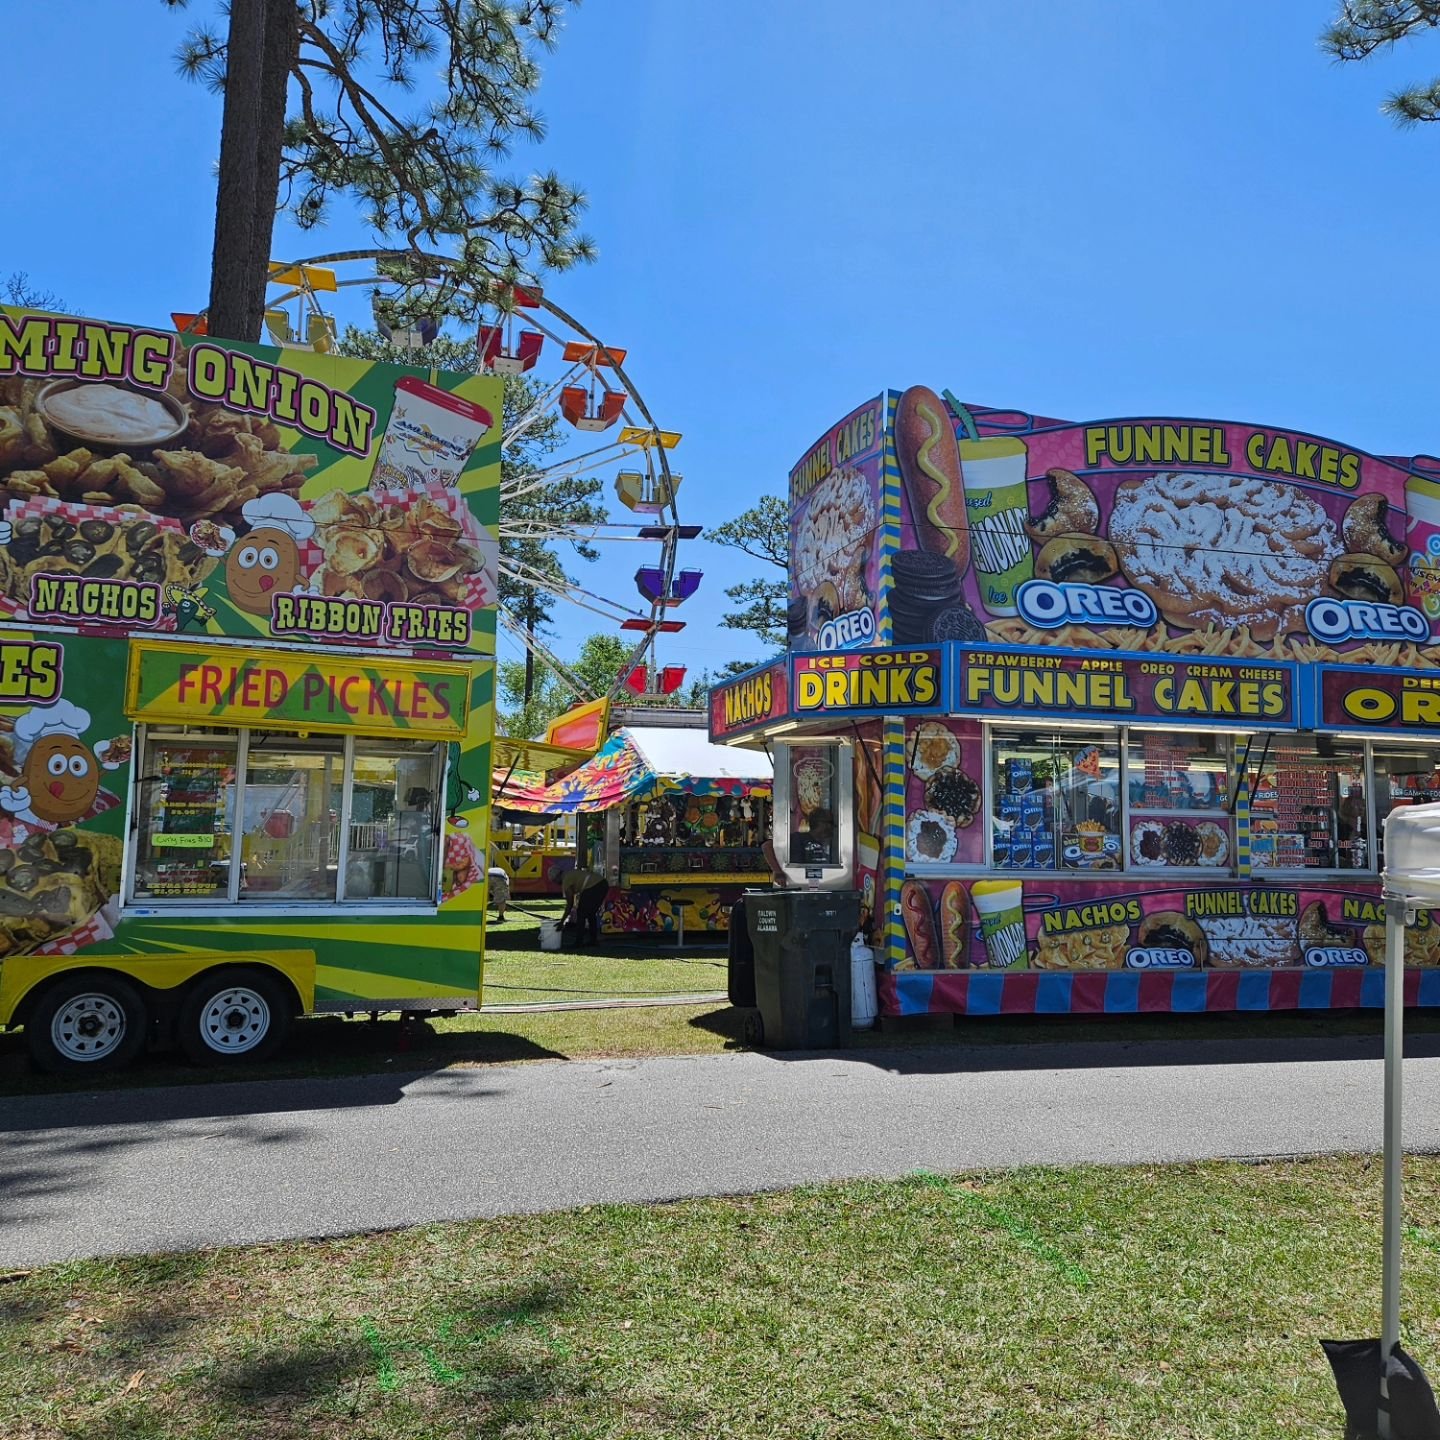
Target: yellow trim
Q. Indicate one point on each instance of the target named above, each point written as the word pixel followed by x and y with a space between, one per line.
pixel 532 754
pixel 411 932
pixel 310 277
pixel 166 706
pixel 20 974
pixel 648 439
pixel 593 716
pixel 701 878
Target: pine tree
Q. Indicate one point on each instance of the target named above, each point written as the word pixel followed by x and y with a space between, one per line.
pixel 1364 26
pixel 423 174
pixel 763 533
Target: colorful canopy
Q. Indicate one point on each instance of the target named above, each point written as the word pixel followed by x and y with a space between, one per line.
pixel 637 762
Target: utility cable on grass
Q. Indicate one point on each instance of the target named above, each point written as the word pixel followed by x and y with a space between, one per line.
pixel 1013 1225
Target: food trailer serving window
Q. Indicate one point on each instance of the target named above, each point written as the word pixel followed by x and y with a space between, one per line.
pixel 1406 773
pixel 256 817
pixel 1307 803
pixel 1055 799
pixel 1179 787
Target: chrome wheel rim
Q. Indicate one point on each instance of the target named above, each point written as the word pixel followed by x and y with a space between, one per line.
pixel 88 1027
pixel 235 1020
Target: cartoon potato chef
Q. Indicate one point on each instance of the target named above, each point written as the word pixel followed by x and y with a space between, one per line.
pixel 266 561
pixel 59 773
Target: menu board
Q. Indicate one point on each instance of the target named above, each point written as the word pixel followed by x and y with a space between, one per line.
pixel 188 839
pixel 1308 815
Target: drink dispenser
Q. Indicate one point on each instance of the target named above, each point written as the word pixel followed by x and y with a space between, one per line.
pixel 814 831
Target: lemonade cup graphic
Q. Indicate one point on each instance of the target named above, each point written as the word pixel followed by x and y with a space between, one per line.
pixel 1000 906
pixel 997 506
pixel 1422 534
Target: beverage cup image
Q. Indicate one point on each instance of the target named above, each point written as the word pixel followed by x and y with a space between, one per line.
pixel 429 438
pixel 1422 534
pixel 999 904
pixel 997 505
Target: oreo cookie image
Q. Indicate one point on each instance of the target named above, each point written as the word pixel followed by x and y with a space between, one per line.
pixel 924 585
pixel 959 622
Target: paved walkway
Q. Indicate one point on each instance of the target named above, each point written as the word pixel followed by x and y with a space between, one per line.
pixel 160 1169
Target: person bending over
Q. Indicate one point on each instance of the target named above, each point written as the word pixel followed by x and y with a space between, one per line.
pixel 584 891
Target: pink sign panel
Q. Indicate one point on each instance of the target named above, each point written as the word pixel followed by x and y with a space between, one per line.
pixel 1185 538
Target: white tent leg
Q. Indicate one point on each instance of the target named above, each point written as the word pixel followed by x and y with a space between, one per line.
pixel 1394 1043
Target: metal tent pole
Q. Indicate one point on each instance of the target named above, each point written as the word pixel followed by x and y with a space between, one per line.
pixel 1395 916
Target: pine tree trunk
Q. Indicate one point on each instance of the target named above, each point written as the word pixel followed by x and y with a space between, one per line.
pixel 282 36
pixel 237 295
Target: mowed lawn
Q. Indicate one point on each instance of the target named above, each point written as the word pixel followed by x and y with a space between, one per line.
pixel 1146 1303
pixel 518 972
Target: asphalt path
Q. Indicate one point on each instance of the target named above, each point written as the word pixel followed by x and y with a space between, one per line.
pixel 172 1169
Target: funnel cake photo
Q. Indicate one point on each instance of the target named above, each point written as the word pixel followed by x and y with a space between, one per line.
pixel 831 540
pixel 1224 550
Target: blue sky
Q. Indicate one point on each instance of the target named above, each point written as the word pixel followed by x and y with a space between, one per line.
pixel 1082 208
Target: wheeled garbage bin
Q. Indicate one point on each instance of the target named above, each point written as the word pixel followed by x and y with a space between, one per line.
pixel 740 962
pixel 802 941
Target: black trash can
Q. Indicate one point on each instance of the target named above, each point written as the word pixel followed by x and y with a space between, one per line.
pixel 740 962
pixel 802 941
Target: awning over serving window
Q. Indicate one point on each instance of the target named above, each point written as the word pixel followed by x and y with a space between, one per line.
pixel 634 763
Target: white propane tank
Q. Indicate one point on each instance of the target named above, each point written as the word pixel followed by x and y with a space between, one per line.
pixel 864 1003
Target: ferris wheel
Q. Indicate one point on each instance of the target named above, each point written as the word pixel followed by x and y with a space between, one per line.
pixel 579 396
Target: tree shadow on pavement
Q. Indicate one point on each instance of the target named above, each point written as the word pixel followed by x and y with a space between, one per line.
pixel 318 1047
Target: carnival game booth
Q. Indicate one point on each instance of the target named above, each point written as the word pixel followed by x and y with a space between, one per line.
pixel 246 689
pixel 534 851
pixel 1121 707
pixel 675 823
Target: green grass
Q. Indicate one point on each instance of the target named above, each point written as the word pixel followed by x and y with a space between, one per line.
pixel 1180 1303
pixel 518 972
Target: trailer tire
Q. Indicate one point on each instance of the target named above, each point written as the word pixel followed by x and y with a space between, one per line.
pixel 233 1015
pixel 86 1024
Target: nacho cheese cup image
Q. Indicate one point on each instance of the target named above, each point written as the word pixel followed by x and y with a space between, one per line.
pixel 999 904
pixel 430 438
pixel 997 505
pixel 111 415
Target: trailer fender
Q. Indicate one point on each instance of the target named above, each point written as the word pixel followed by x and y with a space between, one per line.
pixel 24 976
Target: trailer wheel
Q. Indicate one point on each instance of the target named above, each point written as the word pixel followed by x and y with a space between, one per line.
pixel 753 1030
pixel 233 1015
pixel 86 1023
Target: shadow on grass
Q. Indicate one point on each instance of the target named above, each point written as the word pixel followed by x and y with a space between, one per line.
pixel 941 1044
pixel 435 1363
